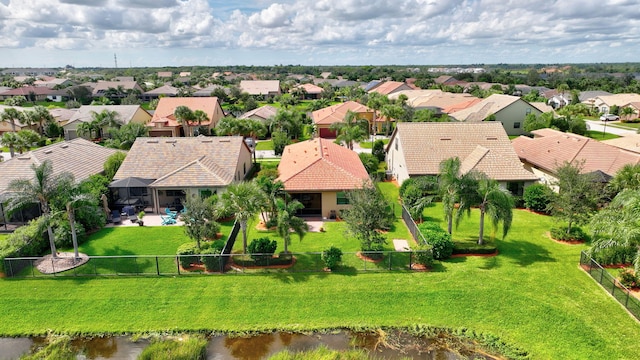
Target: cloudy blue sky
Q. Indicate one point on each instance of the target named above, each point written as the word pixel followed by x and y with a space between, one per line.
pixel 51 33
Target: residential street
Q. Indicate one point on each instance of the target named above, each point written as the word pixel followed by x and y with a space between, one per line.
pixel 600 126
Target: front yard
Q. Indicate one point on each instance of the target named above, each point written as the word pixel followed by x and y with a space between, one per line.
pixel 533 294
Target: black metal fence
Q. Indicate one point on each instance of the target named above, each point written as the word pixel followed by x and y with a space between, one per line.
pixel 158 265
pixel 611 284
pixel 412 226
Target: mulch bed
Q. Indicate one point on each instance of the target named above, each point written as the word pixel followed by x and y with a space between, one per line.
pixel 566 242
pixel 235 266
pixel 366 258
pixel 63 262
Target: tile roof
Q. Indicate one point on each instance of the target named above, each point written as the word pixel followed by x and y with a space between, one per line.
pixel 80 157
pixel 167 105
pixel 388 87
pixel 62 115
pixel 321 165
pixel 184 162
pixel 551 148
pixel 481 110
pixel 436 98
pixel 479 146
pixel 260 87
pixel 627 142
pixel 19 108
pixel 163 90
pixel 311 89
pixel 619 99
pixel 101 86
pixel 27 90
pixel 125 112
pixel 336 113
pixel 263 112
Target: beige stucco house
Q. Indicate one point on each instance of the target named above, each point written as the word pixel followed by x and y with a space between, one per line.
pixel 126 114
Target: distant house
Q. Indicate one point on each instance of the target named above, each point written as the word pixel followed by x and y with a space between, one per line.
pixel 79 157
pixel 206 92
pixel 263 113
pixel 324 118
pixel 31 72
pixel 604 102
pixel 62 115
pixel 309 91
pixel 36 93
pixel 105 88
pixel 5 126
pixel 165 74
pixel 165 90
pixel 268 88
pixel 390 87
pixel 417 149
pixel 176 168
pixel 551 148
pixel 164 123
pixel 508 110
pixel 436 100
pixel 52 82
pixel 126 114
pixel 318 172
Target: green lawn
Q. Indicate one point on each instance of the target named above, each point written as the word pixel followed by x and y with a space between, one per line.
pixel 628 126
pixel 265 145
pixel 598 135
pixel 533 295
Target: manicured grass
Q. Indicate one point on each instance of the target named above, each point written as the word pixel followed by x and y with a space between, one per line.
pixel 369 144
pixel 598 135
pixel 145 240
pixel 629 126
pixel 265 145
pixel 533 295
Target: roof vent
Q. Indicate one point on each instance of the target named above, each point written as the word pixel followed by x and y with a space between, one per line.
pixel 492 138
pixel 170 141
pixel 206 141
pixel 152 141
pixel 225 141
pixel 48 151
pixel 445 138
pixel 64 146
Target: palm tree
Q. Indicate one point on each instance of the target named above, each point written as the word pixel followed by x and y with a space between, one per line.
pixel 39 115
pixel 184 116
pixel 243 200
pixel 454 187
pixel 628 177
pixel 85 128
pixel 389 112
pixel 200 117
pixel 273 190
pixel 627 112
pixel 11 115
pixel 617 226
pixel 72 204
pixel 12 141
pixel 349 130
pixel 42 189
pixel 287 221
pixel 105 118
pixel 497 203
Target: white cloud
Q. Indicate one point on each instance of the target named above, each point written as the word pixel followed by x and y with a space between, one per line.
pixel 340 30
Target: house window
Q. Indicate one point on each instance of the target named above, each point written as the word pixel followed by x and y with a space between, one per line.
pixel 396 145
pixel 528 111
pixel 244 168
pixel 516 188
pixel 516 125
pixel 341 198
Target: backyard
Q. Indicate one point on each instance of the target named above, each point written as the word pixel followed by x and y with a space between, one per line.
pixel 533 295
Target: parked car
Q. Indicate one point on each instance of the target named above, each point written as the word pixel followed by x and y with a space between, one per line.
pixel 609 117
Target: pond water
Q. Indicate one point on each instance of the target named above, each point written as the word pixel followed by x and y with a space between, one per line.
pixel 391 345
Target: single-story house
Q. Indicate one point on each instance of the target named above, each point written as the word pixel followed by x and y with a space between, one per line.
pixel 206 92
pixel 165 90
pixel 324 118
pixel 508 110
pixel 164 123
pixel 417 149
pixel 437 100
pixel 390 87
pixel 604 102
pixel 309 91
pixel 263 113
pixel 103 88
pixel 52 82
pixel 318 172
pixel 174 168
pixel 5 126
pixel 36 93
pixel 80 157
pixel 126 114
pixel 551 148
pixel 268 88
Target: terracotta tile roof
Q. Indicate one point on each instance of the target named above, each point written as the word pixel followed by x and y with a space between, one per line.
pixel 62 115
pixel 321 165
pixel 167 105
pixel 26 90
pixel 163 90
pixel 260 87
pixel 310 88
pixel 102 86
pixel 184 162
pixel 79 157
pixel 336 113
pixel 551 148
pixel 389 87
pixel 482 109
pixel 479 146
pixel 437 98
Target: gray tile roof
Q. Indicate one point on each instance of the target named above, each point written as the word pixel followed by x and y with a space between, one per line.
pixel 79 157
pixel 184 162
pixel 125 112
pixel 479 146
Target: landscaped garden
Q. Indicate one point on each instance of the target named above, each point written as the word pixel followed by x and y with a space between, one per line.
pixel 533 294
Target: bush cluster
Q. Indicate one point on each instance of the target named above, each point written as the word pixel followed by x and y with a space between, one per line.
pixel 262 250
pixel 27 240
pixel 186 254
pixel 614 255
pixel 332 257
pixel 576 234
pixel 628 278
pixel 439 239
pixel 424 256
pixel 537 197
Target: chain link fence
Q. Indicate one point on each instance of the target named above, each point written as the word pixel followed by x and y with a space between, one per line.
pixel 611 284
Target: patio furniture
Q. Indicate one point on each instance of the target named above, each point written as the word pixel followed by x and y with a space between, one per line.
pixel 173 214
pixel 167 220
pixel 115 217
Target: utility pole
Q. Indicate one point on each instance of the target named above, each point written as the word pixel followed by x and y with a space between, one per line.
pixel 115 60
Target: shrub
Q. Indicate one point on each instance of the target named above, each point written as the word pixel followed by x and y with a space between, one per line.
pixel 211 262
pixel 183 253
pixel 262 249
pixel 424 256
pixel 211 230
pixel 62 233
pixel 377 149
pixel 374 251
pixel 614 255
pixel 370 162
pixel 192 348
pixel 537 197
pixel 332 257
pixel 628 278
pixel 439 239
pixel 576 234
